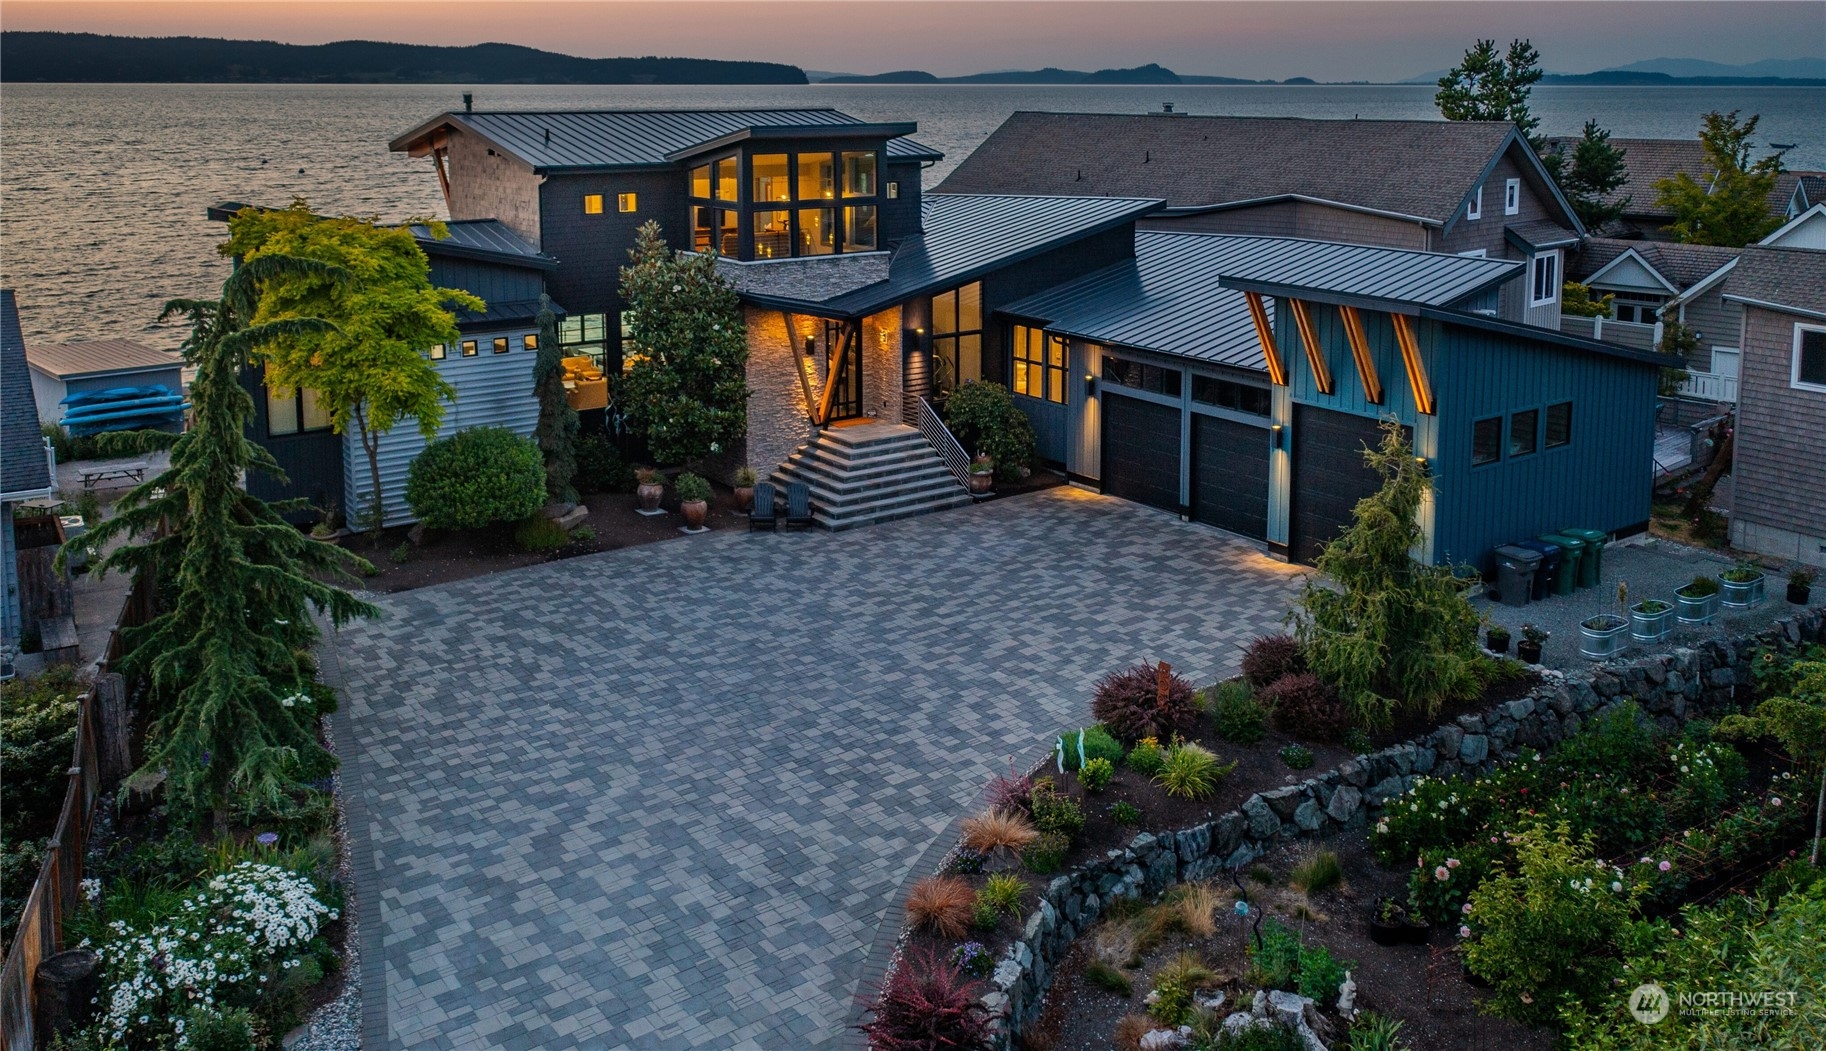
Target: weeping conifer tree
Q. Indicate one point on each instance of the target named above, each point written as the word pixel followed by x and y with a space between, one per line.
pixel 556 432
pixel 234 707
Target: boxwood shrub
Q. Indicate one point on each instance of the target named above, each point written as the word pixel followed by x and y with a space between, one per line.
pixel 476 478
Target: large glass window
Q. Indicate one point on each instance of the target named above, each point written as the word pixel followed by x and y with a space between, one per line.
pixel 859 174
pixel 729 221
pixel 1486 441
pixel 817 231
pixel 727 181
pixel 1038 364
pixel 700 181
pixel 294 412
pixel 859 228
pixel 1524 432
pixel 773 235
pixel 771 177
pixel 1559 425
pixel 630 354
pixel 705 223
pixel 1151 378
pixel 583 336
pixel 957 336
pixel 1226 394
pixel 817 177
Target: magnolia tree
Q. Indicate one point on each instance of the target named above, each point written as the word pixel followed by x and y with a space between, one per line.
pixel 369 369
pixel 686 390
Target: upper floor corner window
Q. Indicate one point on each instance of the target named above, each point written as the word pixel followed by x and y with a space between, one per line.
pixel 1545 279
pixel 769 175
pixel 817 177
pixel 1512 196
pixel 859 174
pixel 627 202
pixel 700 181
pixel 1809 357
pixel 294 412
pixel 1475 209
pixel 1039 364
pixel 592 204
pixel 726 179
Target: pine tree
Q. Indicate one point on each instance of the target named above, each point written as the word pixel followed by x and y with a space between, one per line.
pixel 1732 207
pixel 686 390
pixel 556 432
pixel 1591 174
pixel 1489 86
pixel 233 706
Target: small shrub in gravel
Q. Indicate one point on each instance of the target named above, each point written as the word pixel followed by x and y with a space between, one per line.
pixel 1131 706
pixel 1271 658
pixel 927 1003
pixel 1306 707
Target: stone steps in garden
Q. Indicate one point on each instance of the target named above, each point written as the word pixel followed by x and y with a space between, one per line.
pixel 874 473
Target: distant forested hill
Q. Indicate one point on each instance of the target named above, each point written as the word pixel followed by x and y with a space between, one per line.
pixel 91 57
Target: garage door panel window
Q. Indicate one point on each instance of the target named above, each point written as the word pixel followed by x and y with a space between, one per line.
pixel 1039 364
pixel 1225 394
pixel 1486 441
pixel 1134 374
pixel 1524 433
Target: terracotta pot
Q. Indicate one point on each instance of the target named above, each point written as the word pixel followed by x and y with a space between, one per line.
pixel 694 512
pixel 650 493
pixel 980 483
pixel 744 498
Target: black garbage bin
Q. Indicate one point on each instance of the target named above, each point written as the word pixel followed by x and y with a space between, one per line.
pixel 1549 569
pixel 1515 570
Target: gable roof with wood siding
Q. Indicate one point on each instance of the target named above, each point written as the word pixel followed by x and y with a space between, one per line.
pixel 99 357
pixel 1680 265
pixel 1791 280
pixel 23 467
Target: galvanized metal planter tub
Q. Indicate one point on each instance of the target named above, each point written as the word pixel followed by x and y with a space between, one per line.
pixel 1646 626
pixel 1601 637
pixel 1689 609
pixel 1740 594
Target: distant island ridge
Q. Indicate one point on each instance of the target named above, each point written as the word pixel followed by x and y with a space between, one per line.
pixel 96 58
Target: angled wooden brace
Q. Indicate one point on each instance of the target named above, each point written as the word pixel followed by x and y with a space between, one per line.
pixel 1417 369
pixel 1315 354
pixel 1359 349
pixel 1264 334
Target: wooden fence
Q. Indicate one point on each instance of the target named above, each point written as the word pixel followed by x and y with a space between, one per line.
pixel 102 757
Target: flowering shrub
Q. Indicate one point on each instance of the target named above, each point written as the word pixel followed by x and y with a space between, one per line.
pixel 1435 814
pixel 1704 777
pixel 974 959
pixel 1443 878
pixel 238 938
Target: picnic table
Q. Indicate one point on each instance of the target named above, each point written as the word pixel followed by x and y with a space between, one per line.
pixel 134 471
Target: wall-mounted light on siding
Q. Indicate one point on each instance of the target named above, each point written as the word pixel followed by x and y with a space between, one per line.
pixel 1426 466
pixel 1277 436
pixel 1090 385
pixel 811 346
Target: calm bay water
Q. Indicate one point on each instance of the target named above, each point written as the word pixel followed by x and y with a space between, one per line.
pixel 103 187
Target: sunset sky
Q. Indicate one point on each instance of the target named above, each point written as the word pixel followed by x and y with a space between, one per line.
pixel 1325 40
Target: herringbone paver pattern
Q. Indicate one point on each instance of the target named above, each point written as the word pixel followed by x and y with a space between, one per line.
pixel 666 797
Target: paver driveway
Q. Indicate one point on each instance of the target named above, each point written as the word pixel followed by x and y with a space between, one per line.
pixel 668 796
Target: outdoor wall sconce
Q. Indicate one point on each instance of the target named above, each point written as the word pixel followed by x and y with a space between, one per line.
pixel 1276 436
pixel 811 346
pixel 1090 385
pixel 1426 466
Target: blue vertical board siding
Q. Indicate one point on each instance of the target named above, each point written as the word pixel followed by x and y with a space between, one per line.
pixel 1602 479
pixel 1051 424
pixel 490 282
pixel 9 576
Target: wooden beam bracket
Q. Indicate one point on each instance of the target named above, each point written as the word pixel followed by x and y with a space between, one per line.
pixel 1416 369
pixel 1315 354
pixel 1264 333
pixel 1359 349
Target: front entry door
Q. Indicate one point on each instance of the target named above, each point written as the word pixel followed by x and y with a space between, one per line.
pixel 844 367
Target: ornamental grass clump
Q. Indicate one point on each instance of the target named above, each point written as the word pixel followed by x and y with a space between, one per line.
pixel 926 1004
pixel 1145 701
pixel 941 904
pixel 1003 893
pixel 998 830
pixel 1192 772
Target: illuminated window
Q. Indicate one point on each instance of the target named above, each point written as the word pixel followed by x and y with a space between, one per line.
pixel 500 344
pixel 629 353
pixel 859 228
pixel 582 336
pixel 703 221
pixel 626 202
pixel 592 204
pixel 817 231
pixel 1039 364
pixel 294 412
pixel 957 336
pixel 729 222
pixel 700 181
pixel 773 237
pixel 469 348
pixel 529 342
pixel 438 352
pixel 817 177
pixel 771 178
pixel 859 175
pixel 726 179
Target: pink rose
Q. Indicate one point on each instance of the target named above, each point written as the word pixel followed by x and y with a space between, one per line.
pixel 1464 932
pixel 1664 866
pixel 1451 863
pixel 1465 908
pixel 1442 874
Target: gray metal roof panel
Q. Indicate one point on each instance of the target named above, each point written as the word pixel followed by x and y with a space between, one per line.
pixel 553 140
pixel 23 468
pixel 1392 276
pixel 98 357
pixel 485 238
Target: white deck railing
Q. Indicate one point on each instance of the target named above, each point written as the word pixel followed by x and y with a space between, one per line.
pixel 1709 386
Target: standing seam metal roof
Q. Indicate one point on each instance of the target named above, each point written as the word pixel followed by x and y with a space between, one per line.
pixel 554 140
pixel 484 237
pixel 1396 276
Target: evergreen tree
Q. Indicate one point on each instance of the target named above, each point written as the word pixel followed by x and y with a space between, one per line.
pixel 1592 172
pixel 687 390
pixel 1732 208
pixel 1391 633
pixel 556 432
pixel 233 707
pixel 1489 86
pixel 370 369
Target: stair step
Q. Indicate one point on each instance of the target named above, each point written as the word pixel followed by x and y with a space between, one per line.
pixel 853 480
pixel 873 473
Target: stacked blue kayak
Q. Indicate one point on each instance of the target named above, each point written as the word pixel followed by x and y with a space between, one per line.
pixel 123 409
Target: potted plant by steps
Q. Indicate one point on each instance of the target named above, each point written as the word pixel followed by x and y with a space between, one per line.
pixel 1696 602
pixel 1651 620
pixel 329 530
pixel 650 490
pixel 1800 585
pixel 693 499
pixel 982 474
pixel 744 488
pixel 1496 638
pixel 1601 637
pixel 1533 638
pixel 1741 586
pixel 1388 922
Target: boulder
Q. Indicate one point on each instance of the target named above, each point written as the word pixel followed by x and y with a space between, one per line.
pixel 1308 816
pixel 1474 750
pixel 1345 804
pixel 1263 824
pixel 1284 801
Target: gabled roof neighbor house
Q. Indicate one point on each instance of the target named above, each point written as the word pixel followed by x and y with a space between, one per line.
pixel 62 369
pixel 1463 187
pixel 1778 503
pixel 27 470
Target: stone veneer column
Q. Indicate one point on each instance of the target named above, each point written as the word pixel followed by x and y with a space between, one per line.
pixel 777 421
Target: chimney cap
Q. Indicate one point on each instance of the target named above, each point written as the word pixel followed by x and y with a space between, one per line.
pixel 469 102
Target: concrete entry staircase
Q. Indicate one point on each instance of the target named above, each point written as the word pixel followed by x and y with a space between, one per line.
pixel 872 472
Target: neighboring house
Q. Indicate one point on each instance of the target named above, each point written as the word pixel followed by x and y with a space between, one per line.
pixel 1647 161
pixel 63 369
pixel 1807 229
pixel 1653 282
pixel 1778 502
pixel 1252 416
pixel 1463 187
pixel 27 470
pixel 490 365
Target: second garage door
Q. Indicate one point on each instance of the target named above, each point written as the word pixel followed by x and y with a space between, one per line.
pixel 1329 476
pixel 1141 451
pixel 1230 475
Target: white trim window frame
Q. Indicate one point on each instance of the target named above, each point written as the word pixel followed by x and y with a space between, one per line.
pixel 1476 253
pixel 1544 278
pixel 1801 331
pixel 1475 209
pixel 1512 196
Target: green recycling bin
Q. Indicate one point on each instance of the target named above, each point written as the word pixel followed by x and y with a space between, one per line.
pixel 1572 552
pixel 1591 568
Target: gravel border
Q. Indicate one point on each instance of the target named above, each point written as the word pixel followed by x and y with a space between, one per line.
pixel 336 1026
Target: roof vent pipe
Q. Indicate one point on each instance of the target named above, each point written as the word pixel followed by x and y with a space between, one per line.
pixel 1166 107
pixel 469 102
pixel 1166 110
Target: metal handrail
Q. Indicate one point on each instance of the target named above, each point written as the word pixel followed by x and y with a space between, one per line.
pixel 949 448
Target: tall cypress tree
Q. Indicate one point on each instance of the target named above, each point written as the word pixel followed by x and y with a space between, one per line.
pixel 556 432
pixel 234 710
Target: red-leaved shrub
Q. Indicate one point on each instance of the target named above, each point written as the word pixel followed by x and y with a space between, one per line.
pixel 1012 792
pixel 1306 707
pixel 1129 705
pixel 927 1004
pixel 1270 657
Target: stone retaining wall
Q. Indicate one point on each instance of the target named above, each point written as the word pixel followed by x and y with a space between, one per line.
pixel 1670 687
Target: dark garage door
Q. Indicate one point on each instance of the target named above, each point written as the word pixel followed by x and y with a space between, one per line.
pixel 1230 475
pixel 1329 476
pixel 1141 451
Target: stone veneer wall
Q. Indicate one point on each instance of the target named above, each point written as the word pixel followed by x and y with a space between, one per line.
pixel 1670 687
pixel 776 407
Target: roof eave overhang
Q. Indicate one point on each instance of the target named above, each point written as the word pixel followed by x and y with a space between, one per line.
pixel 455 251
pixel 1784 308
pixel 1701 286
pixel 1362 302
pixel 1631 253
pixel 1178 211
pixel 882 131
pixel 1552 336
pixel 1511 235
